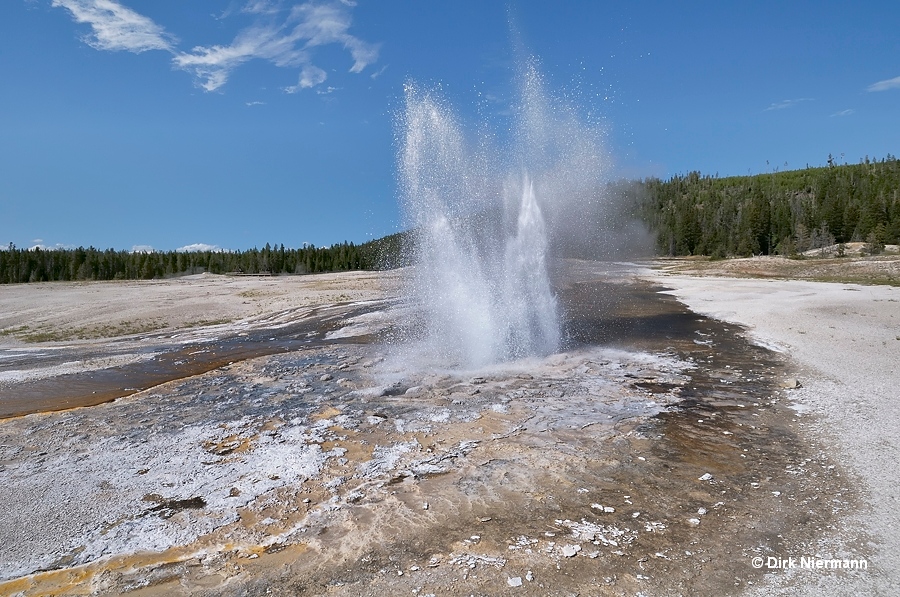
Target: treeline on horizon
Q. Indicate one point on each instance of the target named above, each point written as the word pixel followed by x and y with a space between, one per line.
pixel 777 213
pixel 783 213
pixel 51 265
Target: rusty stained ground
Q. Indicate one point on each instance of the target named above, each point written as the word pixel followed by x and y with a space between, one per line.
pixel 556 475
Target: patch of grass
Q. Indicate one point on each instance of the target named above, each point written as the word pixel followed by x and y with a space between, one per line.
pixel 868 280
pixel 14 331
pixel 848 270
pixel 208 322
pixel 50 336
pixel 125 328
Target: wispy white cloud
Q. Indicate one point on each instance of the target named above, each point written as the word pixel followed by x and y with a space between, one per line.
pixel 286 43
pixel 885 85
pixel 846 112
pixel 115 27
pixel 323 24
pixel 261 7
pixel 255 103
pixel 310 76
pixel 788 103
pixel 283 34
pixel 212 65
pixel 193 248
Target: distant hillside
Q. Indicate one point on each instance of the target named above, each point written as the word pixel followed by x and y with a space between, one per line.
pixel 778 213
pixel 44 265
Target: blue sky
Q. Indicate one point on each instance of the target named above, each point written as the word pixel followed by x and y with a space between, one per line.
pixel 233 123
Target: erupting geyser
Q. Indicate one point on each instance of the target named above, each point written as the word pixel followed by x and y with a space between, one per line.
pixel 485 218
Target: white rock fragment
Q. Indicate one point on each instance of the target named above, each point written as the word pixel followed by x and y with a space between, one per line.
pixel 529 576
pixel 635 514
pixel 693 521
pixel 569 551
pixel 705 477
pixel 425 506
pixel 471 560
pixel 602 508
pixel 514 581
pixel 701 511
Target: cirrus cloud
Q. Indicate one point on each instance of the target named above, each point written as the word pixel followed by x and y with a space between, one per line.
pixel 788 103
pixel 287 43
pixel 115 27
pixel 885 85
pixel 284 36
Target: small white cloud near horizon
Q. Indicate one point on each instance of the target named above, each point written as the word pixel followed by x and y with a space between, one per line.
pixel 43 247
pixel 255 103
pixel 846 112
pixel 788 103
pixel 885 85
pixel 115 27
pixel 37 240
pixel 198 247
pixel 142 249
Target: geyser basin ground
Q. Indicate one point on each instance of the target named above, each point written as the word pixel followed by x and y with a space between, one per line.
pixel 319 472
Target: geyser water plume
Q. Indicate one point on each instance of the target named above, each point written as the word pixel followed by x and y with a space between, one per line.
pixel 484 218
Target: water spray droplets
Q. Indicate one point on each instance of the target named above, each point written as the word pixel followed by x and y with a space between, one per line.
pixel 479 219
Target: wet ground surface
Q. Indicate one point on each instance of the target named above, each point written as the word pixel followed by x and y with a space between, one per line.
pixel 160 358
pixel 655 455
